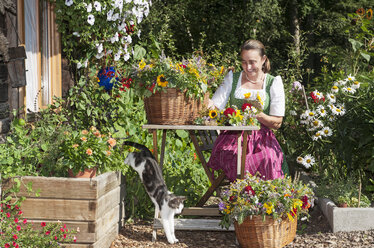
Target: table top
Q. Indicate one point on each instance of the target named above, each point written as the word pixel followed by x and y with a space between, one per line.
pixel 201 127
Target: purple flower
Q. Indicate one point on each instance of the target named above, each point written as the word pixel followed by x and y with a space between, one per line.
pixel 221 206
pixel 296 86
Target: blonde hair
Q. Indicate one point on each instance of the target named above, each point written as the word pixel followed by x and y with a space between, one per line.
pixel 255 44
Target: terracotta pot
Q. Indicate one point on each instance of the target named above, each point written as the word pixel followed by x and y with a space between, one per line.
pixel 343 205
pixel 87 173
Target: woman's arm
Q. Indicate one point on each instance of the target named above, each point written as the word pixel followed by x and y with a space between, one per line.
pixel 273 122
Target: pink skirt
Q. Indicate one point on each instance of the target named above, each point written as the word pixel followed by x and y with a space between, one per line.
pixel 264 154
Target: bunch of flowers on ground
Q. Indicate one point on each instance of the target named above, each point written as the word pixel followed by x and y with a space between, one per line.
pixel 193 76
pixel 325 108
pixel 278 198
pixel 16 231
pixel 99 31
pixel 86 149
pixel 231 116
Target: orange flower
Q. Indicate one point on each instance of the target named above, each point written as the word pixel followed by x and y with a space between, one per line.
pixel 369 14
pixel 84 139
pixel 75 145
pixel 112 142
pixel 89 152
pixel 108 153
pixel 97 133
pixel 287 195
pixel 360 11
pixel 84 132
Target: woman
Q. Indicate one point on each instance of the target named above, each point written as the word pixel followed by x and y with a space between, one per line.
pixel 264 154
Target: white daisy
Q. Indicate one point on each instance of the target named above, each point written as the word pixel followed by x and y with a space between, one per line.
pixel 304 115
pixel 326 131
pixel 350 78
pixel 310 115
pixel 304 122
pixel 91 19
pixel 321 110
pixel 89 8
pixel 317 123
pixel 341 82
pixel 335 89
pixel 356 85
pixel 69 2
pixel 349 90
pixel 318 94
pixel 308 161
pixel 300 160
pixel 317 135
pixel 331 97
pixel 97 6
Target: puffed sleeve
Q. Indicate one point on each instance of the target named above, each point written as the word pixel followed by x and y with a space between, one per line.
pixel 221 96
pixel 277 97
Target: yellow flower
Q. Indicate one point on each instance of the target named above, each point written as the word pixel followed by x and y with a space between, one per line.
pixel 237 113
pixel 161 81
pixel 247 95
pixel 142 64
pixel 241 117
pixel 221 71
pixel 297 203
pixel 290 217
pixel 269 207
pixel 212 114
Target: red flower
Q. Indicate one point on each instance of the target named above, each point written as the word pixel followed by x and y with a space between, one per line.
pixel 130 29
pixel 229 111
pixel 306 204
pixel 64 235
pixel 47 232
pixel 16 207
pixel 232 198
pixel 293 212
pixel 43 224
pixel 8 215
pixel 249 189
pixel 16 220
pixel 152 87
pixel 15 236
pixel 7 245
pixel 55 237
pixel 24 221
pixel 18 228
pixel 62 229
pixel 20 213
pixel 245 106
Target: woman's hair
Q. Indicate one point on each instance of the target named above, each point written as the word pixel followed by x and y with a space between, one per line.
pixel 255 44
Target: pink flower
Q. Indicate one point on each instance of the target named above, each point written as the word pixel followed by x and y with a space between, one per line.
pixel 7 245
pixel 16 220
pixel 15 236
pixel 47 232
pixel 42 224
pixel 18 228
pixel 25 221
pixel 55 237
pixel 8 215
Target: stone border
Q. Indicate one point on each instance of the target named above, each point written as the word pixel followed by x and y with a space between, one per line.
pixel 346 219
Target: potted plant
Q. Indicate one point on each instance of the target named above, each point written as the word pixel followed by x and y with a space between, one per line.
pixel 260 208
pixel 85 152
pixel 173 90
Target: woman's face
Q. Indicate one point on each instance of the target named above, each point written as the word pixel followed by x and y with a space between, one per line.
pixel 252 62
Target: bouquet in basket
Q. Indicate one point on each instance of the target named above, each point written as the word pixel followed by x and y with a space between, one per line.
pixel 232 116
pixel 253 196
pixel 194 76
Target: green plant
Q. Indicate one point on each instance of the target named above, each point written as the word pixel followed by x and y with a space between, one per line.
pixel 99 32
pixel 278 198
pixel 16 231
pixel 193 76
pixel 86 149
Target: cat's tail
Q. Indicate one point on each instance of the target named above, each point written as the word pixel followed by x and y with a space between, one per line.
pixel 140 147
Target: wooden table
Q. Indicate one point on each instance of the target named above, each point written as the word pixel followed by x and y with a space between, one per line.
pixel 196 224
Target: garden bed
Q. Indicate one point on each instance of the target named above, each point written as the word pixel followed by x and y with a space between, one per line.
pixel 347 219
pixel 94 205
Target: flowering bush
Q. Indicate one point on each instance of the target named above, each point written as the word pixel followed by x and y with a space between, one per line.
pixel 278 198
pixel 99 31
pixel 193 76
pixel 86 149
pixel 17 232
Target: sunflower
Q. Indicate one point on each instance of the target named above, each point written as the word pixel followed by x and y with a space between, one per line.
pixel 212 114
pixel 369 14
pixel 161 81
pixel 360 11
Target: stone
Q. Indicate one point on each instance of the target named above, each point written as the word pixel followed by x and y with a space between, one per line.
pixel 3 92
pixel 4 110
pixel 4 125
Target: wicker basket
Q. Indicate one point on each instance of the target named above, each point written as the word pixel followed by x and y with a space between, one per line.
pixel 172 107
pixel 256 233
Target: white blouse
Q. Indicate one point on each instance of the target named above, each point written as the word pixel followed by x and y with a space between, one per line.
pixel 277 97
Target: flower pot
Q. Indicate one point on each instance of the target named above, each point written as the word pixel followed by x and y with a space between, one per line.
pixel 87 173
pixel 172 107
pixel 343 205
pixel 256 233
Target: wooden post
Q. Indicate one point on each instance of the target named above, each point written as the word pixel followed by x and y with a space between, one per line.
pixel 244 153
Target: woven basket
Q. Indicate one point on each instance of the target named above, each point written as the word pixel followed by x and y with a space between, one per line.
pixel 172 107
pixel 256 233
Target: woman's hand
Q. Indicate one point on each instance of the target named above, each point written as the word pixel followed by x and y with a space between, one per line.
pixel 273 122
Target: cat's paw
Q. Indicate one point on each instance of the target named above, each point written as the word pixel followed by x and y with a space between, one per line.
pixel 171 241
pixel 176 240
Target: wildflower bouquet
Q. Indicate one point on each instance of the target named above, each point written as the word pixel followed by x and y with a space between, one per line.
pixel 86 149
pixel 193 76
pixel 278 198
pixel 231 116
pixel 18 232
pixel 99 31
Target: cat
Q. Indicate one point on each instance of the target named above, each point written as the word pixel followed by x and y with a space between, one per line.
pixel 166 203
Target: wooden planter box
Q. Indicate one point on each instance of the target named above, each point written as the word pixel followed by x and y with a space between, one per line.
pixel 94 205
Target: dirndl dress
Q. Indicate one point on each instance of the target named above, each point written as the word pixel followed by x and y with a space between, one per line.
pixel 264 154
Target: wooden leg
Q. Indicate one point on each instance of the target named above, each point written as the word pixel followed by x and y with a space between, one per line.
pixel 239 159
pixel 155 153
pixel 244 153
pixel 163 142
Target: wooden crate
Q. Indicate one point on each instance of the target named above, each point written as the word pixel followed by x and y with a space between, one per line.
pixel 94 205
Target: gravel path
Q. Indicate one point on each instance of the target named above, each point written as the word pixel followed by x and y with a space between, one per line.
pixel 315 233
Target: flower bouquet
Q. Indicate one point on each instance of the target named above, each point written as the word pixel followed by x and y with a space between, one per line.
pixel 174 91
pixel 86 149
pixel 272 202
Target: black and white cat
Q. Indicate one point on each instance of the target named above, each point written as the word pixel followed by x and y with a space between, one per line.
pixel 166 203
